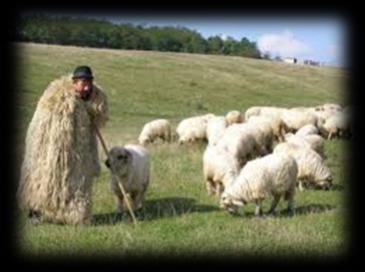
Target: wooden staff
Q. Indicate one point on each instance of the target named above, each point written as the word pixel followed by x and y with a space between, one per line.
pixel 119 183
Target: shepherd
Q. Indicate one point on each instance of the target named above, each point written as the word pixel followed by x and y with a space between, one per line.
pixel 61 153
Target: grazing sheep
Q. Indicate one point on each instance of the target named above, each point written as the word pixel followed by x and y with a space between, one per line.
pixel 337 125
pixel 219 168
pixel 238 140
pixel 313 141
pixel 307 130
pixel 311 167
pixel 273 175
pixel 155 129
pixel 234 117
pixel 263 111
pixel 271 126
pixel 131 166
pixel 316 142
pixel 329 107
pixel 215 129
pixel 263 135
pixel 193 129
pixel 295 120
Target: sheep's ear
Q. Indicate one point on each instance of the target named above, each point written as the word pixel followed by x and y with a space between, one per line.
pixel 107 163
pixel 128 154
pixel 237 202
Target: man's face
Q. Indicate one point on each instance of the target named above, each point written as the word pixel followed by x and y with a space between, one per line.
pixel 83 86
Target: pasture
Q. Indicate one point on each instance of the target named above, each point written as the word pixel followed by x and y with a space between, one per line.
pixel 179 218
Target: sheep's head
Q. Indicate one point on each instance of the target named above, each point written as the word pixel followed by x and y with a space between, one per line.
pixel 120 158
pixel 230 204
pixel 144 140
pixel 326 183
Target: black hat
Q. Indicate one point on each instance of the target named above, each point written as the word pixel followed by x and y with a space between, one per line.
pixel 83 72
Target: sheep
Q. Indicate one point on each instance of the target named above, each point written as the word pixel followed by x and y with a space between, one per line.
pixel 215 129
pixel 313 141
pixel 329 107
pixel 219 167
pixel 336 126
pixel 239 142
pixel 260 129
pixel 273 175
pixel 311 167
pixel 294 120
pixel 307 130
pixel 234 117
pixel 263 111
pixel 129 165
pixel 160 128
pixel 278 128
pixel 193 129
pixel 316 142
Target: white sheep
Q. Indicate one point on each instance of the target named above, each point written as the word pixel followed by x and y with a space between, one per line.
pixel 262 134
pixel 316 142
pixel 131 166
pixel 263 111
pixel 193 129
pixel 160 128
pixel 237 139
pixel 219 168
pixel 295 120
pixel 311 167
pixel 312 141
pixel 273 175
pixel 336 126
pixel 271 126
pixel 307 130
pixel 215 129
pixel 234 117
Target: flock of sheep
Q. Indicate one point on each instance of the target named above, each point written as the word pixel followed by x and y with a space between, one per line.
pixel 265 152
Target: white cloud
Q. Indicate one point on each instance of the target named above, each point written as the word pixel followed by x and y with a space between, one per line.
pixel 283 44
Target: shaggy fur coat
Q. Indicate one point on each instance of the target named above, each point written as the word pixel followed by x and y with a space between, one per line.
pixel 61 155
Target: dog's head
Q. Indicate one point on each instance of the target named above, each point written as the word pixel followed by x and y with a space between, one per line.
pixel 119 159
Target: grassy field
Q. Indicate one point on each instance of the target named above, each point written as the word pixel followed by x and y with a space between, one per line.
pixel 179 218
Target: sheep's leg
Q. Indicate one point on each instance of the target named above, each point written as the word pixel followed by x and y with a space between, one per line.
pixel 119 196
pixel 210 187
pixel 137 200
pixel 300 186
pixel 258 210
pixel 119 204
pixel 290 207
pixel 218 189
pixel 274 204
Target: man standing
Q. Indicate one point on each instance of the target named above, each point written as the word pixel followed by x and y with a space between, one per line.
pixel 61 155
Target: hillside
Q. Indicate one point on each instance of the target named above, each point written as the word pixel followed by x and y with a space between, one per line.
pixel 179 216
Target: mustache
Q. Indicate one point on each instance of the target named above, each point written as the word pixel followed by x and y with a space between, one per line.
pixel 85 95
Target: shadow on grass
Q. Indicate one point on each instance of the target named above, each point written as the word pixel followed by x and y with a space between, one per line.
pixel 301 210
pixel 337 187
pixel 155 209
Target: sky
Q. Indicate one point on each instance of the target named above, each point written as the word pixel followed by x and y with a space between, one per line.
pixel 318 38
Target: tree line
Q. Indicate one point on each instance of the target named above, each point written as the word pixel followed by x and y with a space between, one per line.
pixel 104 34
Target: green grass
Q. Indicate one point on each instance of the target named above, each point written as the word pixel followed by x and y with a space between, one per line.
pixel 179 217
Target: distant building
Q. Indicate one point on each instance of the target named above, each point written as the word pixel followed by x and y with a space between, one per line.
pixel 290 60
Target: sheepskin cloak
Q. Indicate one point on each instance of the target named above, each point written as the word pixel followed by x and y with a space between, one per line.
pixel 61 155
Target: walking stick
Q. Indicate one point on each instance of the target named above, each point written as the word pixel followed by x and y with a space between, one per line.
pixel 119 183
